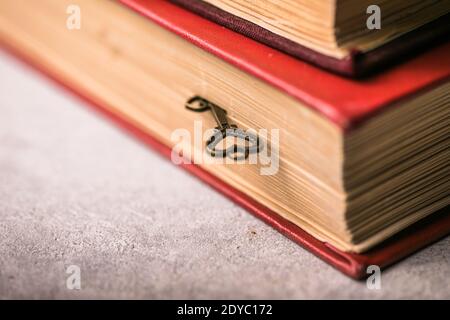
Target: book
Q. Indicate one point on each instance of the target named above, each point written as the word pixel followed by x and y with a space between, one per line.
pixel 142 74
pixel 335 35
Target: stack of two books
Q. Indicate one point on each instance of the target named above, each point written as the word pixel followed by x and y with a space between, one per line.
pixel 321 119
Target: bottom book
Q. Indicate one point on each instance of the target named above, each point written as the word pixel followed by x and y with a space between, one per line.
pixel 354 265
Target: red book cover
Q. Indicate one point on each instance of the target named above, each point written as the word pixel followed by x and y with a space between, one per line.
pixel 343 101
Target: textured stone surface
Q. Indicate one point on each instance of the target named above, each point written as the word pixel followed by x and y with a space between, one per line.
pixel 74 190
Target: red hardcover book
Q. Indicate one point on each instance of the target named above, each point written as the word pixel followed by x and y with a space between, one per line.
pixel 345 102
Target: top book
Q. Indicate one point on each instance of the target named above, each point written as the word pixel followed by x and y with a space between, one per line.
pixel 350 37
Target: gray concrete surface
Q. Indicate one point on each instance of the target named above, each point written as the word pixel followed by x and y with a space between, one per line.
pixel 74 190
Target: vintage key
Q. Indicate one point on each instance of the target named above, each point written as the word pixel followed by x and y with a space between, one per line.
pixel 224 129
